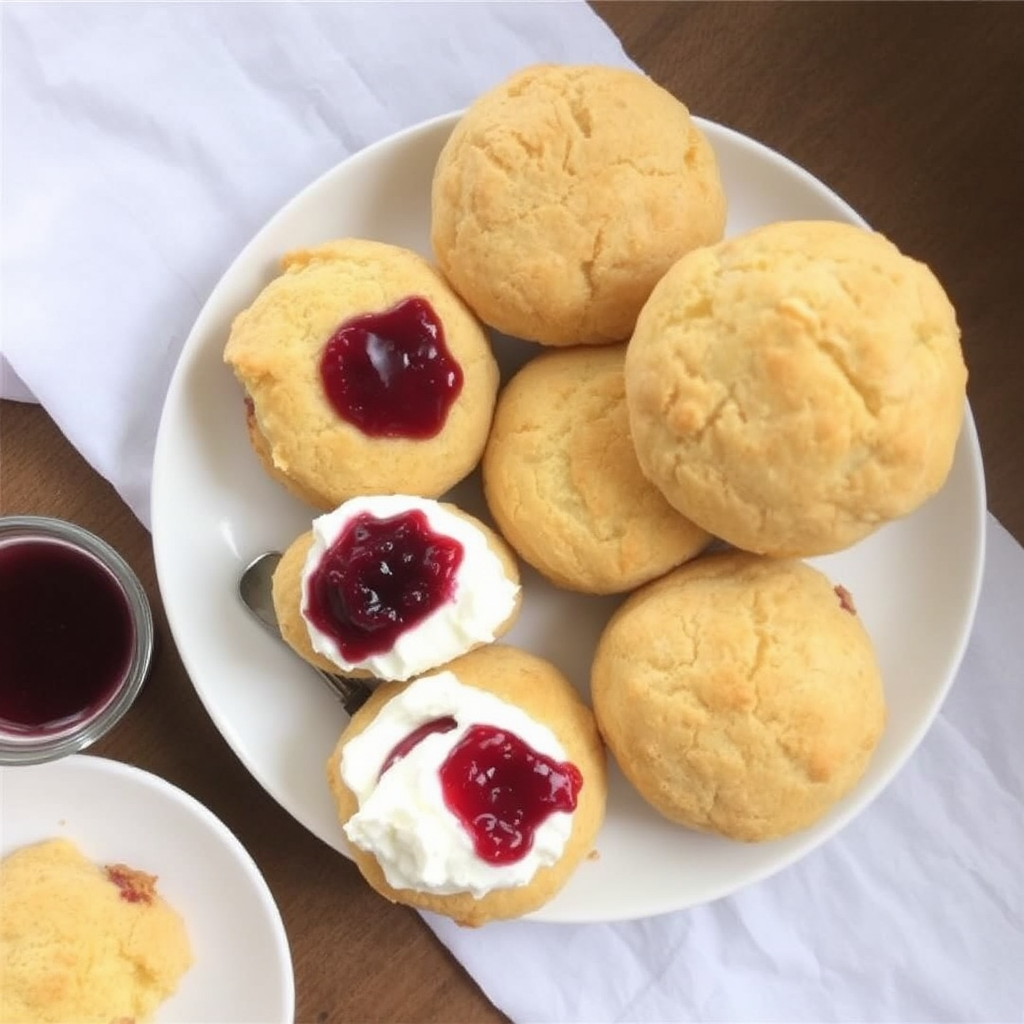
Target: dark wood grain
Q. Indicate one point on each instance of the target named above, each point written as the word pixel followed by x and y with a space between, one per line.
pixel 912 112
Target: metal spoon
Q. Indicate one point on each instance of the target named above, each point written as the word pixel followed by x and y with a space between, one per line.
pixel 254 588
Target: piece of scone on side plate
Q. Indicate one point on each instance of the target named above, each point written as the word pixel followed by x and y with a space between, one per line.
pixel 562 481
pixel 739 694
pixel 474 792
pixel 392 586
pixel 563 195
pixel 793 388
pixel 363 373
pixel 84 942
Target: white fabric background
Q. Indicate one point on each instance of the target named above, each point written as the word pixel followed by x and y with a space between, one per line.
pixel 142 146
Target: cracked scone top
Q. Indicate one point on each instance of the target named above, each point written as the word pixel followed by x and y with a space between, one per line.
pixel 364 373
pixel 562 480
pixel 739 694
pixel 564 194
pixel 795 387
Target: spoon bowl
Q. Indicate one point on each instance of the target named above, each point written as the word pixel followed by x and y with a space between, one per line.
pixel 255 588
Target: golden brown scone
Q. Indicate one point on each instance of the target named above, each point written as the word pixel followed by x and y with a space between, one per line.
pixel 563 483
pixel 287 595
pixel 794 388
pixel 537 687
pixel 275 348
pixel 739 694
pixel 83 943
pixel 564 194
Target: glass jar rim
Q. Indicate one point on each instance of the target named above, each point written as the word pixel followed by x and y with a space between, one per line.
pixel 35 748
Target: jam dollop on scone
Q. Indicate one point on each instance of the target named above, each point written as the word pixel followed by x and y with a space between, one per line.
pixel 563 195
pixel 793 388
pixel 391 586
pixel 364 373
pixel 563 483
pixel 739 694
pixel 473 792
pixel 82 942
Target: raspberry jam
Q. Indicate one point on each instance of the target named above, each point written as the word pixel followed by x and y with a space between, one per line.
pixel 502 790
pixel 134 886
pixel 66 636
pixel 390 374
pixel 380 578
pixel 415 737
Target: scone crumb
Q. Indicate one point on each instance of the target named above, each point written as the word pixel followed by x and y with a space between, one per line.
pixel 135 886
pixel 594 855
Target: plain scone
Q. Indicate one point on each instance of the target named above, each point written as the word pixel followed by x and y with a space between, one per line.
pixel 562 480
pixel 287 593
pixel 739 694
pixel 274 349
pixel 792 389
pixel 564 194
pixel 537 687
pixel 72 949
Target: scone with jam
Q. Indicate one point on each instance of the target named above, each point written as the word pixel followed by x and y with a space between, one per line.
pixel 473 792
pixel 363 373
pixel 391 586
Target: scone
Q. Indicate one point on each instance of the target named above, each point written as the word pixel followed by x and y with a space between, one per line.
pixel 563 483
pixel 740 695
pixel 391 586
pixel 84 943
pixel 474 792
pixel 564 194
pixel 794 388
pixel 363 373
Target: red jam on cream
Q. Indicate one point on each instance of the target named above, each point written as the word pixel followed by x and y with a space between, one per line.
pixel 396 585
pixel 458 790
pixel 379 579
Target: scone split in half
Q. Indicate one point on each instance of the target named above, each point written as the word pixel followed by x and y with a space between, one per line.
pixel 84 943
pixel 392 586
pixel 473 792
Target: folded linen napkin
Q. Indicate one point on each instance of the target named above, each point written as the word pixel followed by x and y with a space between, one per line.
pixel 144 144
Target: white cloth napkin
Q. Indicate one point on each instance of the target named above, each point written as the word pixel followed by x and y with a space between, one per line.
pixel 914 912
pixel 143 145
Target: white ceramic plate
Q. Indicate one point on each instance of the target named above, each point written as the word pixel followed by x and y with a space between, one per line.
pixel 116 813
pixel 915 582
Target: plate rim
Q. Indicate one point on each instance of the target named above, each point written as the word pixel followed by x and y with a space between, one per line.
pixel 98 768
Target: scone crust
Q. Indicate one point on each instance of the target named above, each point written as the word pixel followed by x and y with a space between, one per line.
pixel 738 695
pixel 793 388
pixel 544 693
pixel 72 949
pixel 562 481
pixel 562 196
pixel 274 349
pixel 287 593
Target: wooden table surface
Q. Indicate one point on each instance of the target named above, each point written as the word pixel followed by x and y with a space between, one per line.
pixel 911 112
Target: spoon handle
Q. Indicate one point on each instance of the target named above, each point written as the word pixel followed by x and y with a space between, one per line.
pixel 353 693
